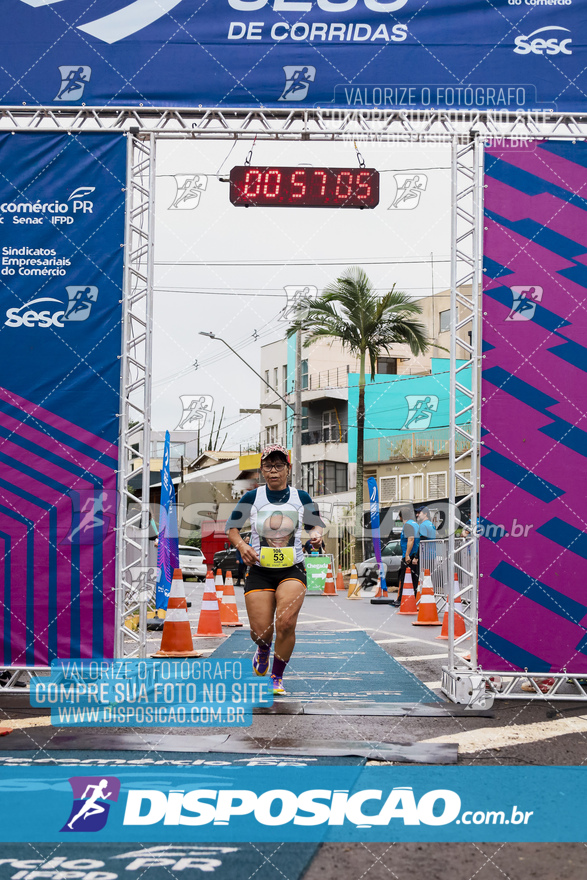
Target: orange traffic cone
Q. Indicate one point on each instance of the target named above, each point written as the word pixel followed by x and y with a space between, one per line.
pixel 219 585
pixel 460 628
pixel 209 624
pixel 408 605
pixel 176 640
pixel 339 580
pixel 353 584
pixel 427 613
pixel 329 588
pixel 228 609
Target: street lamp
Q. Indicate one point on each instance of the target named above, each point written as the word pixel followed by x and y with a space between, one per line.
pixel 296 456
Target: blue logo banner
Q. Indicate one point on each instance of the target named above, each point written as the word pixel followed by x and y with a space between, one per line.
pixel 285 804
pixel 504 55
pixel 168 548
pixel 374 511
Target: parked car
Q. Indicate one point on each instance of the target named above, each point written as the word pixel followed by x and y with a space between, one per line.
pixel 229 560
pixel 192 562
pixel 391 557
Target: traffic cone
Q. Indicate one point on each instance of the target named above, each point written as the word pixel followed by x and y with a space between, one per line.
pixel 460 628
pixel 408 605
pixel 209 624
pixel 176 640
pixel 219 585
pixel 353 583
pixel 329 588
pixel 228 609
pixel 339 581
pixel 427 612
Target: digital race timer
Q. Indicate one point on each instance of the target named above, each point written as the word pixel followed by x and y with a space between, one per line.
pixel 300 187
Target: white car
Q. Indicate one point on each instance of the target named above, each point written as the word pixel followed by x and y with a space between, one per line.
pixel 192 562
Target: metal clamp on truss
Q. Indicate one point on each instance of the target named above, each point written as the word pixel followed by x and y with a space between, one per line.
pixel 467 689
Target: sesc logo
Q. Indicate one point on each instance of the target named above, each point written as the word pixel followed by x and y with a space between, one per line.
pixel 79 305
pixel 543 45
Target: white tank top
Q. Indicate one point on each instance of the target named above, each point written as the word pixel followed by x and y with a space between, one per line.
pixel 276 530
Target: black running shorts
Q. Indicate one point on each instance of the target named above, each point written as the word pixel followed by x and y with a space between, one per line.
pixel 259 578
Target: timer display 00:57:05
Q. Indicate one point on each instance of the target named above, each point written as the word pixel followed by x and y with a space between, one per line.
pixel 304 187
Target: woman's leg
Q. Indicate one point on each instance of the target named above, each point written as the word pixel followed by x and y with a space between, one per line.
pixel 261 610
pixel 288 602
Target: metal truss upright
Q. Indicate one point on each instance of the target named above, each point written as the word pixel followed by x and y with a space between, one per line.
pixel 465 356
pixel 134 582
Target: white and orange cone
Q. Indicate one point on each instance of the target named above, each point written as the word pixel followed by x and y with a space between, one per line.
pixel 353 584
pixel 339 581
pixel 219 585
pixel 176 640
pixel 408 605
pixel 459 628
pixel 228 609
pixel 427 611
pixel 209 624
pixel 329 588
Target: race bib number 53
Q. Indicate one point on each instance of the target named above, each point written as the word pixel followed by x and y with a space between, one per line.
pixel 277 557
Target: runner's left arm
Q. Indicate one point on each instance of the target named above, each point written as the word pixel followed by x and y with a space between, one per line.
pixel 313 522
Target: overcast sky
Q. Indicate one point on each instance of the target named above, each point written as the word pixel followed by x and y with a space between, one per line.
pixel 222 268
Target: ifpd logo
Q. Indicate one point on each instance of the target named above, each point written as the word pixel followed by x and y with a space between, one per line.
pixel 91 795
pixel 195 409
pixel 421 408
pixel 297 81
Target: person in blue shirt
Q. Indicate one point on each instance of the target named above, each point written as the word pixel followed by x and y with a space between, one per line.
pixel 426 527
pixel 275 585
pixel 409 542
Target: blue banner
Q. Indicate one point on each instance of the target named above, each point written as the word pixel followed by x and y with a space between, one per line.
pixel 374 511
pixel 285 804
pixel 168 547
pixel 62 210
pixel 408 54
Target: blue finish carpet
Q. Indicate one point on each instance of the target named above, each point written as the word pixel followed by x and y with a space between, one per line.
pixel 339 666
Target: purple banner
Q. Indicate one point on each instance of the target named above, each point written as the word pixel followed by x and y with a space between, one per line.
pixel 533 549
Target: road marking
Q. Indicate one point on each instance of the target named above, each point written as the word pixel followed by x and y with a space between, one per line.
pixel 473 741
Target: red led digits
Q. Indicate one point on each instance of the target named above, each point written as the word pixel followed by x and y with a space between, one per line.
pixel 304 187
pixel 363 188
pixel 298 184
pixel 272 179
pixel 254 175
pixel 318 173
pixel 344 185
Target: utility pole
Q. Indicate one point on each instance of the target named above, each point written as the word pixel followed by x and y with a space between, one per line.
pixel 296 463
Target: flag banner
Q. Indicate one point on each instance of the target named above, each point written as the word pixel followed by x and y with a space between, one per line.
pixel 374 511
pixel 506 55
pixel 533 547
pixel 168 546
pixel 228 803
pixel 62 203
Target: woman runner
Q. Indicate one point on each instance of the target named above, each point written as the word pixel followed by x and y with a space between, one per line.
pixel 275 585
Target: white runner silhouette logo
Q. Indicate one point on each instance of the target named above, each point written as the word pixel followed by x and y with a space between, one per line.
pixel 122 23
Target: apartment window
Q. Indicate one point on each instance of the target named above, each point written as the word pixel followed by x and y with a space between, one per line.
pixel 266 381
pixel 304 375
pixel 330 431
pixel 436 485
pixel 284 372
pixel 309 477
pixel 444 321
pixel 463 488
pixel 387 489
pixel 276 378
pixel 387 366
pixel 271 434
pixel 335 477
pixel 405 487
pixel 304 420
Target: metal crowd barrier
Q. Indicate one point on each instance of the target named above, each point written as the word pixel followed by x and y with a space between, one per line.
pixel 434 556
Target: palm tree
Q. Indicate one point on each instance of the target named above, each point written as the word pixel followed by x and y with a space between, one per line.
pixel 351 311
